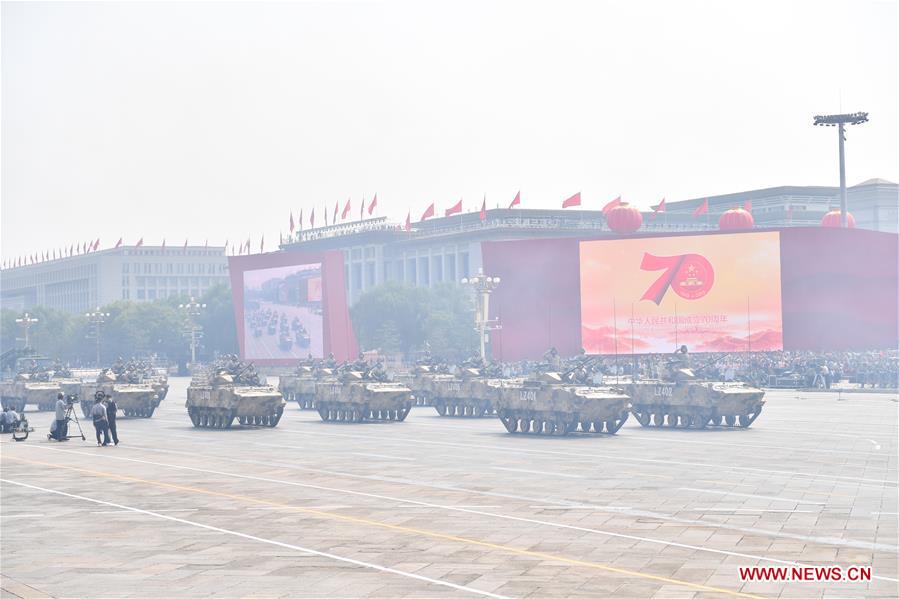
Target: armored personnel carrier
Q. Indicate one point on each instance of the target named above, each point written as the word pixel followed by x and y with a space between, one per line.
pixel 139 400
pixel 33 384
pixel 553 404
pixel 358 395
pixel 300 385
pixel 470 392
pixel 678 399
pixel 232 390
pixel 27 388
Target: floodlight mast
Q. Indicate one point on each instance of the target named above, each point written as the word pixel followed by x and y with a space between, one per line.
pixel 841 120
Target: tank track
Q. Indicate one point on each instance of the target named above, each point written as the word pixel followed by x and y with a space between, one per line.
pixel 522 421
pixel 470 409
pixel 682 417
pixel 342 412
pixel 221 418
pixel 16 403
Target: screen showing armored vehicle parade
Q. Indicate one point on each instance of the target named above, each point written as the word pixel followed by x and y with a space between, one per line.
pixel 283 312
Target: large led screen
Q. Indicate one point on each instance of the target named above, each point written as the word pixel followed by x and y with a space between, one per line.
pixel 712 293
pixel 283 312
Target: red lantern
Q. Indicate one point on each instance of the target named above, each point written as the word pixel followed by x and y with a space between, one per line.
pixel 736 219
pixel 832 219
pixel 624 218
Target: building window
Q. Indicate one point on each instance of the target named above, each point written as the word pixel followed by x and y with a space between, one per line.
pixel 169 268
pixel 463 265
pixel 369 275
pixel 148 268
pixel 124 267
pixel 141 294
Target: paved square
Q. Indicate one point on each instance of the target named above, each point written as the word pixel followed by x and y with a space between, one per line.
pixel 437 507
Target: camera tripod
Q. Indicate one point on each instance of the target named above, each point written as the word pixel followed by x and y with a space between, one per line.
pixel 71 416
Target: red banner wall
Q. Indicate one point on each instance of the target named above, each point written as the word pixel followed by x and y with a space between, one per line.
pixel 338 331
pixel 838 288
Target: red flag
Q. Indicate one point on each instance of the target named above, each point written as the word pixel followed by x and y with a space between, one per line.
pixel 301 219
pixel 455 209
pixel 97 244
pixel 346 210
pixel 71 249
pixel 747 206
pixel 248 246
pixel 409 220
pixel 54 254
pixel 374 202
pixel 362 209
pixel 516 201
pixel 118 243
pixel 185 243
pixel 312 219
pixel 428 213
pixel 702 208
pixel 483 214
pixel 334 220
pixel 163 243
pixel 280 238
pixel 262 244
pixel 139 243
pixel 612 204
pixel 574 200
pixel 659 208
pixel 291 222
pixel 326 215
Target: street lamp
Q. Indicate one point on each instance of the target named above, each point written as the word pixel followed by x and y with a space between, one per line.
pixel 841 120
pixel 25 322
pixel 96 320
pixel 194 330
pixel 483 287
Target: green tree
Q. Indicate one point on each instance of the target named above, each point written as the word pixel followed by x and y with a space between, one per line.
pixel 401 318
pixel 217 320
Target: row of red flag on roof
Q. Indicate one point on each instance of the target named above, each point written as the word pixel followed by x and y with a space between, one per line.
pixel 430 211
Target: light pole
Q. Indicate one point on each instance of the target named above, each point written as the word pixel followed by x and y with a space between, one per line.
pixel 25 322
pixel 194 331
pixel 96 320
pixel 483 287
pixel 840 121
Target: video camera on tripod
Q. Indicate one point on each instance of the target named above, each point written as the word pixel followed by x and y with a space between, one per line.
pixel 70 416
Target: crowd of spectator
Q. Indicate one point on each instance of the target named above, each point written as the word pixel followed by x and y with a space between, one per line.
pixel 805 369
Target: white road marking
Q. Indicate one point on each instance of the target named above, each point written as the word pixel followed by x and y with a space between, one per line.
pixel 23 516
pixel 378 455
pixel 750 495
pixel 241 535
pixel 160 511
pixel 749 510
pixel 576 507
pixel 859 544
pixel 405 440
pixel 635 513
pixel 541 473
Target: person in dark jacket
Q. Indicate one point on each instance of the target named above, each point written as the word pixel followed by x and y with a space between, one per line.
pixel 111 409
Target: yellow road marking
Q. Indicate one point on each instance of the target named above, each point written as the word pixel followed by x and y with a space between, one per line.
pixel 395 527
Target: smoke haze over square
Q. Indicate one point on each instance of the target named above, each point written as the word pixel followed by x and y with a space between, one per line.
pixel 215 120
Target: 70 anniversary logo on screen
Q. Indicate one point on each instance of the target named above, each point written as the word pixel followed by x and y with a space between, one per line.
pixel 711 292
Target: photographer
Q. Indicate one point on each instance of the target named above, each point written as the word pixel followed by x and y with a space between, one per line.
pixel 62 430
pixel 101 422
pixel 8 420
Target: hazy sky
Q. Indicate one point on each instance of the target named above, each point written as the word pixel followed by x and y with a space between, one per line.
pixel 215 120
